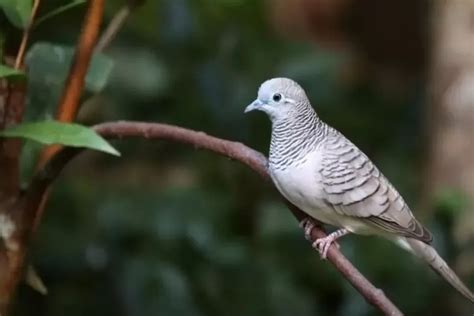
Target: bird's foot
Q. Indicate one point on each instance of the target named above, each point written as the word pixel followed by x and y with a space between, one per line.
pixel 323 244
pixel 307 224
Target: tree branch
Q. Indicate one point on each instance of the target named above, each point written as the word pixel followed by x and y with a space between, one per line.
pixel 11 111
pixel 13 106
pixel 69 103
pixel 70 98
pixel 17 235
pixel 237 151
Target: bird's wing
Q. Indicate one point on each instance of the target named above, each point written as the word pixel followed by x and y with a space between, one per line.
pixel 353 186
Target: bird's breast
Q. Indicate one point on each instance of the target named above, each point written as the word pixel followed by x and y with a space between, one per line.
pixel 300 183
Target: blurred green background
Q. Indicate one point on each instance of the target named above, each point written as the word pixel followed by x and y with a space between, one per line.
pixel 170 230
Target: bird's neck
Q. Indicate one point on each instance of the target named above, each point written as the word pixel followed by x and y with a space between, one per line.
pixel 295 137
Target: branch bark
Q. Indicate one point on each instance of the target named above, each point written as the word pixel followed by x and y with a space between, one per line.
pixel 233 150
pixel 12 105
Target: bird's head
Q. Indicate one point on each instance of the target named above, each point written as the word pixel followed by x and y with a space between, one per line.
pixel 280 99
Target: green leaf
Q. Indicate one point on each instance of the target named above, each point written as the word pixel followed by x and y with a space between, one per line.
pixel 48 65
pixel 51 62
pixel 67 134
pixel 18 12
pixel 7 72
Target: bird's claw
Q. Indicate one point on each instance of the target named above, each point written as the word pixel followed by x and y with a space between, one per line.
pixel 323 244
pixel 307 224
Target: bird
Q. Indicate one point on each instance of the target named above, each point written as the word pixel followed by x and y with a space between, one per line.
pixel 330 179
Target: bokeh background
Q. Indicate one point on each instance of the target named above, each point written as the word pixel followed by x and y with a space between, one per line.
pixel 171 230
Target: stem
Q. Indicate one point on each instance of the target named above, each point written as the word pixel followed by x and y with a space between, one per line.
pixel 26 34
pixel 237 151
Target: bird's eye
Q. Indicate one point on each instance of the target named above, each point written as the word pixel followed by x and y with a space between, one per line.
pixel 276 97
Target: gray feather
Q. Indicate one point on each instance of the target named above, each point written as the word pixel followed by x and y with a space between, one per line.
pixel 355 187
pixel 431 256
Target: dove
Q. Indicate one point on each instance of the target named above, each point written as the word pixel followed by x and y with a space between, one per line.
pixel 329 178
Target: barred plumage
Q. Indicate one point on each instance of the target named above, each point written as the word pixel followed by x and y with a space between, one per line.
pixel 328 177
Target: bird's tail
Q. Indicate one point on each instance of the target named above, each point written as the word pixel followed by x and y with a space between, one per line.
pixel 431 256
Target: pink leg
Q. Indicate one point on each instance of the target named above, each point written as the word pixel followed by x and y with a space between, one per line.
pixel 323 244
pixel 307 224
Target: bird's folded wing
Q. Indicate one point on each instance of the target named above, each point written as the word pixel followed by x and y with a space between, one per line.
pixel 353 186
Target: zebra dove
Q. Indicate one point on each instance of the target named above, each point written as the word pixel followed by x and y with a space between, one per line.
pixel 319 170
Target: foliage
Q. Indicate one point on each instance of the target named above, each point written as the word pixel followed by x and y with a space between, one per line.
pixel 67 134
pixel 17 11
pixel 8 72
pixel 48 66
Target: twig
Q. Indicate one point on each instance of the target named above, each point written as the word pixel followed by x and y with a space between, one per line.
pixel 57 11
pixel 112 29
pixel 116 24
pixel 237 151
pixel 26 34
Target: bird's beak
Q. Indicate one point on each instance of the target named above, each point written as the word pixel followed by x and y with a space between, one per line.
pixel 255 105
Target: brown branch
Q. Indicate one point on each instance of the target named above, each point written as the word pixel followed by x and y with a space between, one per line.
pixel 11 113
pixel 70 100
pixel 69 103
pixel 237 151
pixel 69 106
pixel 26 34
pixel 13 252
pixel 13 108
